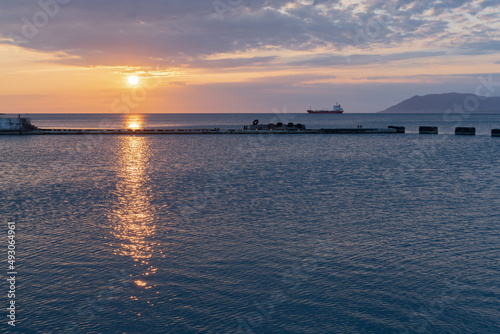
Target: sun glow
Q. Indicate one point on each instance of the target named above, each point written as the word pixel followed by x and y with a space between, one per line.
pixel 132 216
pixel 133 80
pixel 133 126
pixel 134 122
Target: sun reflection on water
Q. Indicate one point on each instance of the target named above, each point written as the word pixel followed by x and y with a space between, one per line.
pixel 132 217
pixel 134 122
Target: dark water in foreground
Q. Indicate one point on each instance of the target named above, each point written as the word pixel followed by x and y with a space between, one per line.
pixel 262 234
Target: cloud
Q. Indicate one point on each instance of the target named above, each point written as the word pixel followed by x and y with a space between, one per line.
pixel 356 60
pixel 179 32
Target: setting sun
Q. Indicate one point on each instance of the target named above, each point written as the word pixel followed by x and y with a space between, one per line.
pixel 133 80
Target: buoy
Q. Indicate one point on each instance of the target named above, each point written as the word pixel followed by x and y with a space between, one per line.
pixel 428 130
pixel 256 122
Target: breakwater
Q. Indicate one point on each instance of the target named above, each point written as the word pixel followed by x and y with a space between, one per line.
pixel 23 126
pixel 19 124
pixel 215 131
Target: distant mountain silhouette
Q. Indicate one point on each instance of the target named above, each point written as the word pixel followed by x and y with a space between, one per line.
pixel 439 103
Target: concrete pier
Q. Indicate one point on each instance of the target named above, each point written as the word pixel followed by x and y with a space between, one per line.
pixel 15 125
pixel 216 131
pixel 399 129
pixel 358 131
pixel 465 131
pixel 23 126
pixel 428 130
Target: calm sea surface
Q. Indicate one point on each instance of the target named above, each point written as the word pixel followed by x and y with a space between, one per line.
pixel 391 233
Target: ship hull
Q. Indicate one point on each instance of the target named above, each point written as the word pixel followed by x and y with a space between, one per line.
pixel 325 111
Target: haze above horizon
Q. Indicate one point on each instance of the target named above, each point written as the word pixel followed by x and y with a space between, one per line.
pixel 222 56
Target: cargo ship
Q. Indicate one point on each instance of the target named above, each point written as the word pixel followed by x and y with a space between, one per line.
pixel 337 109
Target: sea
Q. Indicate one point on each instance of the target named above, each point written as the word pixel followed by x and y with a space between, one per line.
pixel 357 233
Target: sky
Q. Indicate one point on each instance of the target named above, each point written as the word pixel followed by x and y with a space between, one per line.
pixel 249 56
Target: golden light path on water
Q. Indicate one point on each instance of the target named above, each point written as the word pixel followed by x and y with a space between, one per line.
pixel 134 122
pixel 132 217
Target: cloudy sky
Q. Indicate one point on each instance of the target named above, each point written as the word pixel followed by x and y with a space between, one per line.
pixel 242 55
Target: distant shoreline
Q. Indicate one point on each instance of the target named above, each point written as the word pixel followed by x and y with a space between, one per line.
pixel 456 103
